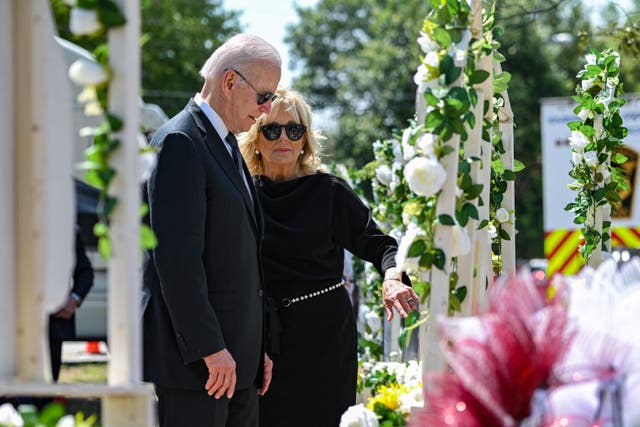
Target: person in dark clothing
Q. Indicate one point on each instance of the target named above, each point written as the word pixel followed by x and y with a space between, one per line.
pixel 203 324
pixel 310 218
pixel 62 324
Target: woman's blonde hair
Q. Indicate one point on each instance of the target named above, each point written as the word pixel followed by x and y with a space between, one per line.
pixel 293 102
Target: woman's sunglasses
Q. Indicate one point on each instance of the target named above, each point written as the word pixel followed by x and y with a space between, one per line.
pixel 272 131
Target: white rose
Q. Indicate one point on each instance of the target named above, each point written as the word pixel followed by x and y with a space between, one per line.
pixel 420 75
pixel 425 175
pixel 383 174
pixel 66 421
pixel 382 209
pixel 93 109
pixel 425 143
pixel 502 215
pixel 587 84
pixel 598 126
pixel 577 141
pixel 432 59
pixel 591 159
pixel 84 72
pixel 358 416
pixel 584 114
pixel 426 44
pixel 9 416
pixel 576 158
pixel 83 21
pixel 460 242
pixel 590 58
pixel 147 159
pixel 403 262
pixel 408 150
pixel 493 232
pixel 411 399
pixel 373 321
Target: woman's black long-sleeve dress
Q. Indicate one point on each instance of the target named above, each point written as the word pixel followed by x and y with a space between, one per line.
pixel 308 222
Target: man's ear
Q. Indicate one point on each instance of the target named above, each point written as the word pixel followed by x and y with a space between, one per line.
pixel 229 79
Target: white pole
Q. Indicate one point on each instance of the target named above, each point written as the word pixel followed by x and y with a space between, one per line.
pixel 43 185
pixel 7 156
pixel 124 327
pixel 509 202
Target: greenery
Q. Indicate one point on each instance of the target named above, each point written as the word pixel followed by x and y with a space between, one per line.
pixel 595 139
pixel 179 36
pixel 355 58
pixel 50 416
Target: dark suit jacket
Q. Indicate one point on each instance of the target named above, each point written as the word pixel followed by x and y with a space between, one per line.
pixel 65 329
pixel 205 276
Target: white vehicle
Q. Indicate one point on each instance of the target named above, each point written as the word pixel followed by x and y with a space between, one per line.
pixel 91 317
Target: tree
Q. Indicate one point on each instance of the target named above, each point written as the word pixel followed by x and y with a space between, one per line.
pixel 357 59
pixel 178 36
pixel 181 34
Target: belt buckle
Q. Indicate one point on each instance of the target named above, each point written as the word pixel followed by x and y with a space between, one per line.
pixel 286 302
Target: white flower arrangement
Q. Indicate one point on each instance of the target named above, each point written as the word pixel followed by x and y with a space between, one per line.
pixel 394 389
pixel 359 416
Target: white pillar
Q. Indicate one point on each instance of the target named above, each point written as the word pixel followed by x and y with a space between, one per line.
pixel 7 155
pixel 43 186
pixel 509 202
pixel 124 327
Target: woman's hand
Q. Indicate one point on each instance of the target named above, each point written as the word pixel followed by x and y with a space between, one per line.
pixel 397 294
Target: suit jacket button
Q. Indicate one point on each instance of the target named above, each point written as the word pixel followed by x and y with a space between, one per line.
pixel 260 292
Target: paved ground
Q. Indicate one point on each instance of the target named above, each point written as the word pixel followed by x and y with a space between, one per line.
pixel 77 352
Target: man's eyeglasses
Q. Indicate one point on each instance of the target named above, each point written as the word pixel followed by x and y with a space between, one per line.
pixel 262 97
pixel 272 131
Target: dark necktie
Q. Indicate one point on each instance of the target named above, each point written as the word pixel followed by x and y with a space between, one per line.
pixel 237 159
pixel 235 152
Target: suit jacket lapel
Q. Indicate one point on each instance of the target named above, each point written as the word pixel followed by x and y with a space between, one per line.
pixel 216 147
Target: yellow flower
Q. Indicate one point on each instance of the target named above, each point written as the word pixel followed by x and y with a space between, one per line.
pixel 388 396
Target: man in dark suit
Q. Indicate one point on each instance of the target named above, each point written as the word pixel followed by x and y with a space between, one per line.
pixel 203 323
pixel 62 324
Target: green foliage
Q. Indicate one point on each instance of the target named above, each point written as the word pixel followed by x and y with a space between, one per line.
pixel 49 416
pixel 594 141
pixel 180 36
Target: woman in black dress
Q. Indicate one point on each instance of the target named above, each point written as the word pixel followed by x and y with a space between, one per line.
pixel 310 218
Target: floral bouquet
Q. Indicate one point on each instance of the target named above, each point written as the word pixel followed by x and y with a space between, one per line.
pixel 394 387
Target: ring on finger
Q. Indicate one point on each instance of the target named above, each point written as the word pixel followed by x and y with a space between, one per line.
pixel 411 301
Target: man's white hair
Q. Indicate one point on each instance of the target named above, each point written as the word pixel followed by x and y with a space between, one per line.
pixel 240 51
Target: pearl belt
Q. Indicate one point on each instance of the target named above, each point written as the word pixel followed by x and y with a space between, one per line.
pixel 286 302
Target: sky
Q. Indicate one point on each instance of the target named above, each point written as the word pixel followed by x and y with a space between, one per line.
pixel 268 19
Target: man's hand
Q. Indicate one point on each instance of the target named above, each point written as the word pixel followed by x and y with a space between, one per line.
pixel 222 374
pixel 67 310
pixel 268 372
